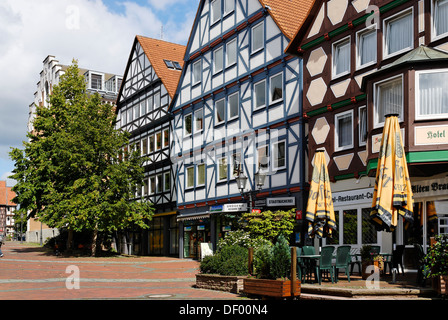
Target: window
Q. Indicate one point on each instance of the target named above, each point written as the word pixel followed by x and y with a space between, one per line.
pixel 440 17
pixel 167 181
pixel 260 94
pixel 366 50
pixel 157 100
pixel 177 65
pixel 388 99
pixel 187 125
pixel 159 183
pixel 220 111
pixel 263 158
pixel 258 37
pixel 190 177
pixel 142 108
pixel 218 60
pixel 169 64
pixel 236 164
pixel 201 175
pixel 96 81
pixel 432 94
pixel 398 33
pixel 343 123
pixel 233 106
pixel 145 187
pixel 231 52
pixel 362 115
pixel 159 141
pixel 150 104
pixel 196 72
pixel 136 111
pixel 198 120
pixel 151 144
pixel 276 88
pixel 216 10
pixel 145 146
pixel 222 169
pixel 166 138
pixel 130 117
pixel 279 155
pixel 341 58
pixel 229 6
pixel 152 181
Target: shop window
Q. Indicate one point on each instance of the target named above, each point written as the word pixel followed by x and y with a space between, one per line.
pixel 350 221
pixel 432 94
pixel 341 58
pixel 369 233
pixel 388 99
pixel 344 130
pixel 334 239
pixel 398 34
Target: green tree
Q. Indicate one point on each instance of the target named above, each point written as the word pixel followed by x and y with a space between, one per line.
pixel 72 173
pixel 269 225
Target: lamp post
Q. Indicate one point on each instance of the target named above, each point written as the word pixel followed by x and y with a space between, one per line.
pixel 241 181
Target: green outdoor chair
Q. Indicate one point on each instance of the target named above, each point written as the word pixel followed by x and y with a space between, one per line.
pixel 325 263
pixel 343 260
pixel 301 268
pixel 308 250
pixel 355 260
pixel 375 250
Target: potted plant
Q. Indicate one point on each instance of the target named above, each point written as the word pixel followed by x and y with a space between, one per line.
pixel 436 263
pixel 366 260
pixel 272 269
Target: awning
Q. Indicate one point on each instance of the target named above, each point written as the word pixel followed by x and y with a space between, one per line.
pixel 194 216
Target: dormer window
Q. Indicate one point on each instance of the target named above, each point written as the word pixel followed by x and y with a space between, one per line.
pixel 172 64
pixel 96 81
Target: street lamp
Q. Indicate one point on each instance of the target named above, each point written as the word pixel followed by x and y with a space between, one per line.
pixel 241 181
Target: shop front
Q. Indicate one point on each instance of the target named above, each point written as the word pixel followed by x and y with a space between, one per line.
pixel 163 235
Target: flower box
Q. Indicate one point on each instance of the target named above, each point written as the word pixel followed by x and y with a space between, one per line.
pixel 271 288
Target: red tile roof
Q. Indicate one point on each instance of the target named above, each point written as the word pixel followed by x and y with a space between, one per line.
pixel 6 195
pixel 157 51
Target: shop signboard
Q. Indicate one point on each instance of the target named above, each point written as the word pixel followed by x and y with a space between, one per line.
pixel 352 197
pixel 217 208
pixel 234 207
pixel 281 202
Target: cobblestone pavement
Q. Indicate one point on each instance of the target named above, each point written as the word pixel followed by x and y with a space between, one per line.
pixel 30 272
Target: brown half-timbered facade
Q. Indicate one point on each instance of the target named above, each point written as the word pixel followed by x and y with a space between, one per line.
pixel 362 60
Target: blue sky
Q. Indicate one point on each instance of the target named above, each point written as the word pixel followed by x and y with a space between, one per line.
pixel 98 33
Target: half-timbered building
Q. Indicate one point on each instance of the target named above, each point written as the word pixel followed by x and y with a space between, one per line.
pixel 363 60
pixel 237 110
pixel 150 81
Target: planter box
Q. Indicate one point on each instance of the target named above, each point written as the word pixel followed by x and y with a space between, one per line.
pixel 270 288
pixel 440 284
pixel 233 284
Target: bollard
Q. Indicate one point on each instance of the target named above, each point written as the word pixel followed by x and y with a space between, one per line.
pixel 394 275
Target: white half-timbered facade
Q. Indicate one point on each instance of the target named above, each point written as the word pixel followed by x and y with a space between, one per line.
pixel 150 80
pixel 237 107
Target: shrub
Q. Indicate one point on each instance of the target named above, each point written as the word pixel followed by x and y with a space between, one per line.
pixel 269 225
pixel 262 261
pixel 436 260
pixel 229 260
pixel 281 259
pixel 241 238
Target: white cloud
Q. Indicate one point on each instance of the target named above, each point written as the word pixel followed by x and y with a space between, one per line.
pixel 86 30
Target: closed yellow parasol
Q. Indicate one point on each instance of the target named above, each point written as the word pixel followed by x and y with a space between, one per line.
pixel 319 211
pixel 392 195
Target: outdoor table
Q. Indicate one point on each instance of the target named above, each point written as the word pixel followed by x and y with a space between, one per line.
pixel 308 261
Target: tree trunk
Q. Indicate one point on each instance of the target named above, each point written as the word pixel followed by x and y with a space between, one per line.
pixel 70 240
pixel 94 240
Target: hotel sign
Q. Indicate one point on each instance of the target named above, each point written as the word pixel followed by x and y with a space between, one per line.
pixel 428 188
pixel 431 135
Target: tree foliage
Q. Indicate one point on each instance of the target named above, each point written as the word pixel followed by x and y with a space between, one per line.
pixel 269 225
pixel 71 173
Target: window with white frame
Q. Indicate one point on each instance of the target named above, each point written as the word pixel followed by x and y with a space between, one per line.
pixel 258 37
pixel 236 164
pixel 233 102
pixel 198 120
pixel 159 141
pixel 260 94
pixel 222 169
pixel 388 99
pixel 188 126
pixel 136 111
pixel 189 183
pixel 156 100
pixel 220 111
pixel 197 72
pixel 343 124
pixel 96 81
pixel 166 138
pixel 341 57
pixel 362 119
pixel 216 10
pixel 229 6
pixel 150 104
pixel 159 183
pixel 231 53
pixel 144 146
pixel 152 184
pixel 279 155
pixel 167 181
pixel 151 144
pixel 440 17
pixel 432 94
pixel 276 87
pixel 218 60
pixel 366 48
pixel 263 158
pixel 398 33
pixel 200 175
